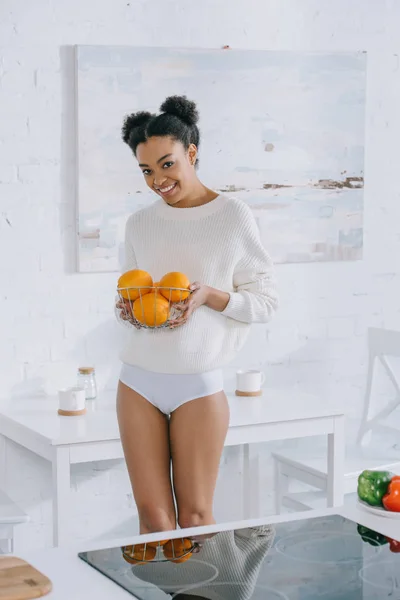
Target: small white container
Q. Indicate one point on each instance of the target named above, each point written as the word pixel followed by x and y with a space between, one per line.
pixel 249 383
pixel 87 380
pixel 71 402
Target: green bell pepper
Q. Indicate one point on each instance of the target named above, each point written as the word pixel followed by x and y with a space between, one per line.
pixel 373 485
pixel 371 537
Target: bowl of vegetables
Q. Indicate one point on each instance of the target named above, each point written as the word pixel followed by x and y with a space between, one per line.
pixel 379 493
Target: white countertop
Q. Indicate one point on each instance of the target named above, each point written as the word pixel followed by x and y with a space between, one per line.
pixel 72 578
pixel 39 414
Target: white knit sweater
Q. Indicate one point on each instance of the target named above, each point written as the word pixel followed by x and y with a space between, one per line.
pixel 226 568
pixel 217 244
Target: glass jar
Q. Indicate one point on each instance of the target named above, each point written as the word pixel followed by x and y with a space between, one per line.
pixel 87 380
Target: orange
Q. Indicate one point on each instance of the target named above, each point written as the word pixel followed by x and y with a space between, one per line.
pixel 151 310
pixel 137 279
pixel 175 550
pixel 174 280
pixel 139 554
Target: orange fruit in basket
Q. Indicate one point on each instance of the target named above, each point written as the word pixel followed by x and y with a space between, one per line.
pixel 138 554
pixel 177 550
pixel 136 278
pixel 151 310
pixel 174 280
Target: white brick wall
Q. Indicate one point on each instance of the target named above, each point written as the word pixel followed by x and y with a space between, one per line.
pixel 52 319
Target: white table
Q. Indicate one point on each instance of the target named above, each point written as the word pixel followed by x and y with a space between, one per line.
pixel 72 578
pixel 278 414
pixel 10 516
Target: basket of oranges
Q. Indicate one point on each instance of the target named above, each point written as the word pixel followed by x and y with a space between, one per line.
pixel 176 551
pixel 151 305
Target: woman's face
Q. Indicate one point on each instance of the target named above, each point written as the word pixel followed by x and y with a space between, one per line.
pixel 167 167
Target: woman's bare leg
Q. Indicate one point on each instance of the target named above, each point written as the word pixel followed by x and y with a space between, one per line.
pixel 144 436
pixel 197 435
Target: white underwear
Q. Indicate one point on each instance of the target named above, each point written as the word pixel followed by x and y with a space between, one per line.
pixel 168 392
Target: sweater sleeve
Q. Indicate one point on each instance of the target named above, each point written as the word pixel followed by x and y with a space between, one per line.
pixel 255 298
pixel 130 261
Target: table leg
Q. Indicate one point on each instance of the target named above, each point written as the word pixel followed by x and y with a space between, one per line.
pixel 6 538
pixel 255 487
pixel 61 470
pixel 3 455
pixel 281 486
pixel 336 468
pixel 246 482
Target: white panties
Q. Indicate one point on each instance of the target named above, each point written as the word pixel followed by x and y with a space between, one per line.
pixel 168 392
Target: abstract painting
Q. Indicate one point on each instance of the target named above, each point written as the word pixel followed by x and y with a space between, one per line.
pixel 284 131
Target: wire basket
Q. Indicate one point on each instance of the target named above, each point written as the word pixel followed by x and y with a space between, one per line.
pixel 141 556
pixel 139 300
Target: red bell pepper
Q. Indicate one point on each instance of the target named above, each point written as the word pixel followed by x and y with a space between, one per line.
pixel 394 545
pixel 391 500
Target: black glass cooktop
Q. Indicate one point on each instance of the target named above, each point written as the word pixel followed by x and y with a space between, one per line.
pixel 327 558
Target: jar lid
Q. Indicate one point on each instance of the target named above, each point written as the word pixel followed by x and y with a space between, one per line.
pixel 86 370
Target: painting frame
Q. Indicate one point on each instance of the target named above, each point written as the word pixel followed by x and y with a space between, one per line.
pixel 306 213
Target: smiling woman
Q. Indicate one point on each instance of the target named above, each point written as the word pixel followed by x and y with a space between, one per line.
pixel 166 147
pixel 170 392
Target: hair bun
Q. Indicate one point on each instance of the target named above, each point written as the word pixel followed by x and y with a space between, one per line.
pixel 181 107
pixel 132 121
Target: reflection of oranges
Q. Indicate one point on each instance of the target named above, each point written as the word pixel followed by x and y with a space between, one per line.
pixel 151 309
pixel 174 280
pixel 156 544
pixel 138 554
pixel 132 279
pixel 177 550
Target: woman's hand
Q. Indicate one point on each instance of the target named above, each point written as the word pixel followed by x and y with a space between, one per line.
pixel 198 297
pixel 202 295
pixel 124 311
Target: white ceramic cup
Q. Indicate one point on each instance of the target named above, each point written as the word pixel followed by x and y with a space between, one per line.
pixel 249 381
pixel 72 399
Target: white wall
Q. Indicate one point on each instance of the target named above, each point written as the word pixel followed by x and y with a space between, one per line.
pixel 52 319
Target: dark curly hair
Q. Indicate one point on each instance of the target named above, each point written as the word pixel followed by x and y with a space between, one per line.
pixel 178 120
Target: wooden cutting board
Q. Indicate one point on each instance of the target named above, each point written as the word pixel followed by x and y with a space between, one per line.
pixel 20 581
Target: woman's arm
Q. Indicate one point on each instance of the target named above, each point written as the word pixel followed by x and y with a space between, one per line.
pixel 255 297
pixel 216 299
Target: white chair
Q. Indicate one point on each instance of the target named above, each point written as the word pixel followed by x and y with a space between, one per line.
pixel 10 516
pixel 310 467
pixel 382 343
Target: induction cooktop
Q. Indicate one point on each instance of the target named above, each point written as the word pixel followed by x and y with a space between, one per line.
pixel 328 558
